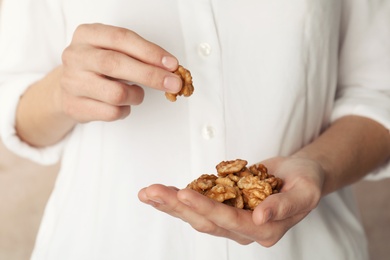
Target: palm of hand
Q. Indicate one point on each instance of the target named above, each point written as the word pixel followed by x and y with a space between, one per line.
pixel 303 180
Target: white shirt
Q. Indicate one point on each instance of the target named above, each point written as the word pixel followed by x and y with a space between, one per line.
pixel 266 74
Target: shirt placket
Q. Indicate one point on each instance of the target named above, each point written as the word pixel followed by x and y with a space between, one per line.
pixel 206 105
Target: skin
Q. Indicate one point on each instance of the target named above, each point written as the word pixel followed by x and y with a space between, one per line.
pixel 344 153
pixel 90 86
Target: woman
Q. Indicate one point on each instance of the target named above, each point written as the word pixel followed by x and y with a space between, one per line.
pixel 301 87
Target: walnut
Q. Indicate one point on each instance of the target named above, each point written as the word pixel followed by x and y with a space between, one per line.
pixel 244 172
pixel 234 177
pixel 253 169
pixel 203 183
pixel 221 193
pixel 253 197
pixel 225 182
pixel 259 170
pixel 254 182
pixel 187 87
pixel 238 201
pixel 275 182
pixel 227 167
pixel 272 181
pixel 254 190
pixel 238 186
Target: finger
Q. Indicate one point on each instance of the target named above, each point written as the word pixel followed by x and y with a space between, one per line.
pixel 100 88
pixel 283 205
pixel 127 42
pixel 168 202
pixel 273 231
pixel 143 197
pixel 275 216
pixel 238 221
pixel 120 66
pixel 165 199
pixel 86 110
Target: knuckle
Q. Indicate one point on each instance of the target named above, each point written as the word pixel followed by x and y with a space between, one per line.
pixel 67 55
pixel 107 62
pixel 73 56
pixel 67 108
pixel 119 35
pixel 153 78
pixel 118 95
pixel 83 30
pixel 79 31
pixel 154 51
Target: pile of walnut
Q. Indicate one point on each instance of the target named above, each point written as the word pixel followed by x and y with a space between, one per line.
pixel 187 87
pixel 238 186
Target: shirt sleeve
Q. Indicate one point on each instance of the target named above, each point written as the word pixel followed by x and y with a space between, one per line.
pixel 364 66
pixel 31 42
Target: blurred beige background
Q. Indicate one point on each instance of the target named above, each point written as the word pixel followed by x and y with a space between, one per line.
pixel 25 187
pixel 24 190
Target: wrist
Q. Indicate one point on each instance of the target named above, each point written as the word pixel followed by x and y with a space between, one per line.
pixel 40 120
pixel 322 166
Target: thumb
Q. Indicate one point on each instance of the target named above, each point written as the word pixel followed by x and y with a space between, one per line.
pixel 280 206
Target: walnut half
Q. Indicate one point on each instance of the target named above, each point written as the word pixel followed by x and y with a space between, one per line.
pixel 187 87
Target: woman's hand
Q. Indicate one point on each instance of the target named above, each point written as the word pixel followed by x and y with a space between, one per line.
pixel 99 65
pixel 103 68
pixel 303 181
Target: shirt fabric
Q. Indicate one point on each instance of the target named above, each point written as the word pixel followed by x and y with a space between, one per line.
pixel 269 76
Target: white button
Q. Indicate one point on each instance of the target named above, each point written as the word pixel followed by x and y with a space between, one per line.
pixel 208 132
pixel 204 49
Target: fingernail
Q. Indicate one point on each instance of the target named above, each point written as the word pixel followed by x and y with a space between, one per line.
pixel 267 215
pixel 155 202
pixel 169 62
pixel 172 84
